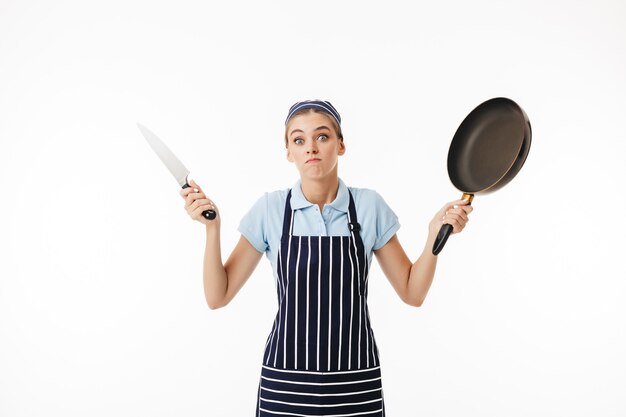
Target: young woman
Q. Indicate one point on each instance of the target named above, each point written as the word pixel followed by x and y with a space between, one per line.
pixel 321 357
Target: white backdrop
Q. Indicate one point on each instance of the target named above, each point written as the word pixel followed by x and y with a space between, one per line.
pixel 101 303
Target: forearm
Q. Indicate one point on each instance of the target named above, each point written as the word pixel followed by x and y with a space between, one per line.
pixel 421 276
pixel 410 280
pixel 423 270
pixel 214 275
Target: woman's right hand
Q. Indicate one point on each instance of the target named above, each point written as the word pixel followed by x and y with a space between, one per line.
pixel 196 202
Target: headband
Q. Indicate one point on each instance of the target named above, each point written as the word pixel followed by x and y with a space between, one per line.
pixel 324 106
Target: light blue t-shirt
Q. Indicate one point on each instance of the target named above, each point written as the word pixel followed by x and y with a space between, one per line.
pixel 262 226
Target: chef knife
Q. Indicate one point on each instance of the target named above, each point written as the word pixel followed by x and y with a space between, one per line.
pixel 172 163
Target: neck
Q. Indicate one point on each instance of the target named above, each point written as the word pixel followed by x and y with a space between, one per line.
pixel 320 191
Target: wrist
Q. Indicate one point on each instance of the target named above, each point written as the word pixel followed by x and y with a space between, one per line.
pixel 212 228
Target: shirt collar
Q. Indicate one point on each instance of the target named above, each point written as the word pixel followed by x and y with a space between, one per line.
pixel 341 202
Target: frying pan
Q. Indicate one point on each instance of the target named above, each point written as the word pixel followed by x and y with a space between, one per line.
pixel 487 151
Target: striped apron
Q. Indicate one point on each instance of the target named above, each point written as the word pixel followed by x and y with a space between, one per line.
pixel 321 358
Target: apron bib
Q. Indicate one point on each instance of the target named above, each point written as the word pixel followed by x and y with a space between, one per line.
pixel 321 357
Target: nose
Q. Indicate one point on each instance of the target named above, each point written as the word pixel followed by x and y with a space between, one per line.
pixel 312 147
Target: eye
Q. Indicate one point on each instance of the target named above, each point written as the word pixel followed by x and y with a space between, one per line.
pixel 322 137
pixel 298 141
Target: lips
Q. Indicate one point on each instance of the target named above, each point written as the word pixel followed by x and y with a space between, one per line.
pixel 313 160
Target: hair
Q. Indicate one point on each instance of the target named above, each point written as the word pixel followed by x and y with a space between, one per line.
pixel 310 110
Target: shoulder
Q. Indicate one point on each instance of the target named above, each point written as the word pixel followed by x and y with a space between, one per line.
pixel 366 197
pixel 274 199
pixel 371 205
pixel 268 203
pixel 261 223
pixel 379 222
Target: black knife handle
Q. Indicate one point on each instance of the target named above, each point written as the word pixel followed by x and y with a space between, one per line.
pixel 207 214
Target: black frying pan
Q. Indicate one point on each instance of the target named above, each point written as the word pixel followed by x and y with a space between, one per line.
pixel 487 151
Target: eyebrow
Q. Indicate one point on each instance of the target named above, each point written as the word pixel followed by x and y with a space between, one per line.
pixel 315 130
pixel 322 128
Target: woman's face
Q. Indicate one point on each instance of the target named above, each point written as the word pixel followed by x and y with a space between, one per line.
pixel 313 145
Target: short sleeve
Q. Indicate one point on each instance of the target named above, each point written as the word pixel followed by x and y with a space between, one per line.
pixel 253 225
pixel 387 223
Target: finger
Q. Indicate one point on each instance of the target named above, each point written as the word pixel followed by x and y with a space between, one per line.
pixel 460 205
pixel 204 202
pixel 451 205
pixel 196 195
pixel 186 191
pixel 460 202
pixel 191 197
pixel 197 213
pixel 458 222
pixel 456 225
pixel 453 217
pixel 194 185
pixel 459 212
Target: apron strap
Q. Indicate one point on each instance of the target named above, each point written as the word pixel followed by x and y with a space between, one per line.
pixel 353 223
pixel 288 217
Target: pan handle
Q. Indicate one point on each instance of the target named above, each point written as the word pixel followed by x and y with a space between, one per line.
pixel 446 229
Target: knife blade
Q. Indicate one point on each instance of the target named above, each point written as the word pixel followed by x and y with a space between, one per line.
pixel 171 162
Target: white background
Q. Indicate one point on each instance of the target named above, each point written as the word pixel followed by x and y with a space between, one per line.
pixel 101 304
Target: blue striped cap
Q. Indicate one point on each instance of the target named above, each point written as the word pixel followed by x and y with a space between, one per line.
pixel 324 106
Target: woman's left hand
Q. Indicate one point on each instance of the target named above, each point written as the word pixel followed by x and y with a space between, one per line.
pixel 454 213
